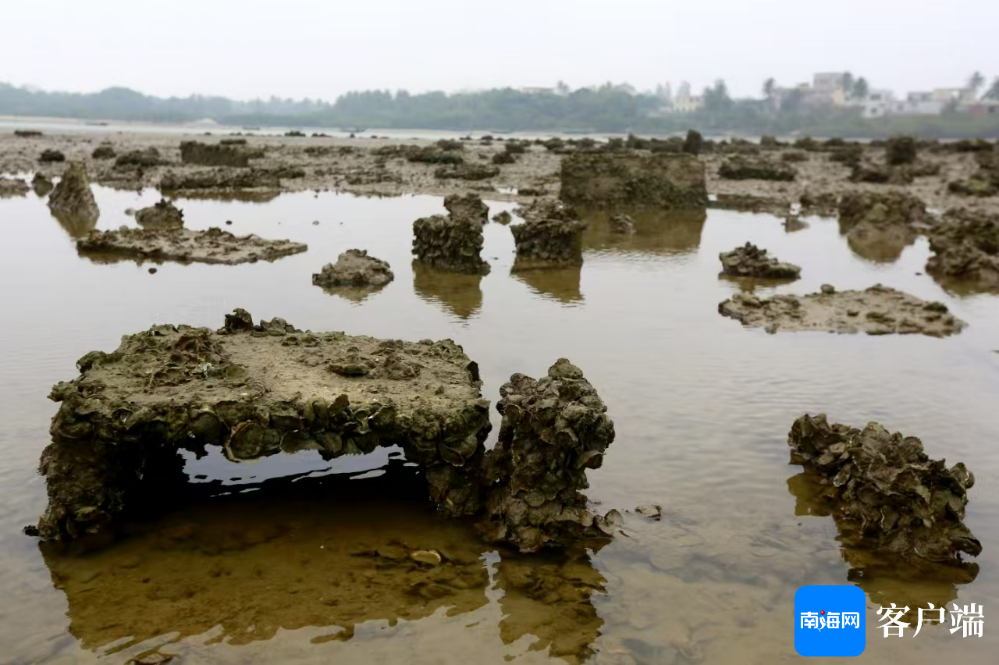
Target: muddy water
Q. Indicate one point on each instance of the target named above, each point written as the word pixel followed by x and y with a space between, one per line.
pixel 292 559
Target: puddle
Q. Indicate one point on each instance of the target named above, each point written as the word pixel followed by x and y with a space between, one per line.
pixel 701 406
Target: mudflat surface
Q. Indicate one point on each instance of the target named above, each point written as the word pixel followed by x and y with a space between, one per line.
pixel 356 165
pixel 701 408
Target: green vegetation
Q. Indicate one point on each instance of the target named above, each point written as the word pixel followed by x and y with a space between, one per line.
pixel 608 108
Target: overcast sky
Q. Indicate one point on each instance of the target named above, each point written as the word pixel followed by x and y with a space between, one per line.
pixel 300 48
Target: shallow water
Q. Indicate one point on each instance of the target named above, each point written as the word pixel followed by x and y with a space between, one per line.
pixel 258 569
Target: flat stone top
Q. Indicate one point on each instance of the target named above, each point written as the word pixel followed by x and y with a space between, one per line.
pixel 271 365
pixel 186 245
pixel 877 310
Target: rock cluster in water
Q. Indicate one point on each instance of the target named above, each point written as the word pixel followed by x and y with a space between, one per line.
pixel 257 389
pixel 163 214
pixel 186 245
pixel 354 268
pixel 900 500
pixel 550 237
pixel 553 430
pixel 877 310
pixel 452 242
pixel 217 154
pixel 882 224
pixel 751 261
pixel 660 180
pixel 966 247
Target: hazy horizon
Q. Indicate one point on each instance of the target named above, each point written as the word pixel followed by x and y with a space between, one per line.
pixel 308 50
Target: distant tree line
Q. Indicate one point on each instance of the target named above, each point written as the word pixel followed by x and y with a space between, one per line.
pixel 608 108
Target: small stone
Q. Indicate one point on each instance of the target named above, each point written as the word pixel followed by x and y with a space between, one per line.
pixel 229 222
pixel 650 510
pixel 152 271
pixel 828 289
pixel 426 557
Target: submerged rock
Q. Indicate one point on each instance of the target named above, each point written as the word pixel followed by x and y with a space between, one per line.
pixel 966 247
pixel 742 168
pixel 41 184
pixel 13 187
pixel 503 217
pixel 72 196
pixel 186 246
pixel 453 242
pixel 354 268
pixel 622 223
pixel 256 390
pixel 553 430
pixel 877 310
pixel 164 214
pixel 899 499
pixel 550 237
pixel 751 261
pixel 879 225
pixel 666 181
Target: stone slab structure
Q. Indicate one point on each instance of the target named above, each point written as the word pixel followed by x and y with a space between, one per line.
pixel 660 180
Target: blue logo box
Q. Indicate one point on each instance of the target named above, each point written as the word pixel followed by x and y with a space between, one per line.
pixel 830 621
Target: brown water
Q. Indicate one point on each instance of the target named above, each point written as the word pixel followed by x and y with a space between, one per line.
pixel 307 568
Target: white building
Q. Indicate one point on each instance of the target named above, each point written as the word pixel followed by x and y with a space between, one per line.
pixel 920 103
pixel 684 102
pixel 877 104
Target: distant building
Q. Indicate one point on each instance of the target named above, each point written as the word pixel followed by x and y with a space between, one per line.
pixel 877 104
pixel 829 82
pixel 919 103
pixel 537 91
pixel 983 107
pixel 684 102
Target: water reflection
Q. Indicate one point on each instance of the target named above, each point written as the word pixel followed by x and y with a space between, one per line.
pixel 656 232
pixel 886 578
pixel 458 293
pixel 226 196
pixel 355 294
pixel 879 246
pixel 326 553
pixel 561 284
pixel 77 226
